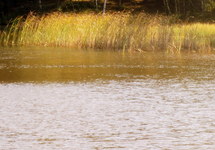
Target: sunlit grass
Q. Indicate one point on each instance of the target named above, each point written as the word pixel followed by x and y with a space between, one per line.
pixel 111 31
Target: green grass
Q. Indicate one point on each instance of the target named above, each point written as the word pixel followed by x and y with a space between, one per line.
pixel 111 31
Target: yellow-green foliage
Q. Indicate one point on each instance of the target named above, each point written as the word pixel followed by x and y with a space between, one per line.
pixel 110 31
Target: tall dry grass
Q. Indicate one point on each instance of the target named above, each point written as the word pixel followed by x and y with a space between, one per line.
pixel 110 31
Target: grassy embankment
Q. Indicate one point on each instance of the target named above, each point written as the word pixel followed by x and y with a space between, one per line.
pixel 110 31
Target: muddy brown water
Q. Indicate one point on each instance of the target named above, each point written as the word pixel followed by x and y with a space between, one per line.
pixel 63 99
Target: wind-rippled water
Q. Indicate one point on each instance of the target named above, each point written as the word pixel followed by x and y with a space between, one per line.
pixel 83 100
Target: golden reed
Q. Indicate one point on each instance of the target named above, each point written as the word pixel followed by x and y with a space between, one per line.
pixel 111 31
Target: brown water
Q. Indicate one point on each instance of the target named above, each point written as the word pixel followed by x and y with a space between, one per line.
pixel 60 99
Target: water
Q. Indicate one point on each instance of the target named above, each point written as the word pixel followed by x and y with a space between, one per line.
pixel 82 100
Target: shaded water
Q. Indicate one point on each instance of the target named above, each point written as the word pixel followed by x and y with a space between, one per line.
pixel 65 99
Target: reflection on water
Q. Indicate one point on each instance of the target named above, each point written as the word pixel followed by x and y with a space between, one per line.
pixel 76 100
pixel 63 65
pixel 143 114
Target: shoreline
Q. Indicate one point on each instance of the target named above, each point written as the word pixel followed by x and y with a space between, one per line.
pixel 124 31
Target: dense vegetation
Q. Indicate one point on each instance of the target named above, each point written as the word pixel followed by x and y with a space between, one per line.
pixel 174 27
pixel 111 31
pixel 185 8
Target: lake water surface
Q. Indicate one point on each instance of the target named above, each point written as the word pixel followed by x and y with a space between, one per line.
pixel 61 99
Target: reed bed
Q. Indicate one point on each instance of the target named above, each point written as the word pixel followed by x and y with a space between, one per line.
pixel 111 31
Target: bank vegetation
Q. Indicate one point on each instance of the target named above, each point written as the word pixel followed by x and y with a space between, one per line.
pixel 118 31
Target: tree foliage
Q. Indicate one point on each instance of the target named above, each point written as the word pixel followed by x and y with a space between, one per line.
pixel 188 6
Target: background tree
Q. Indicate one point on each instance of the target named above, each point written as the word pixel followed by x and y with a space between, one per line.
pixel 104 7
pixel 188 6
